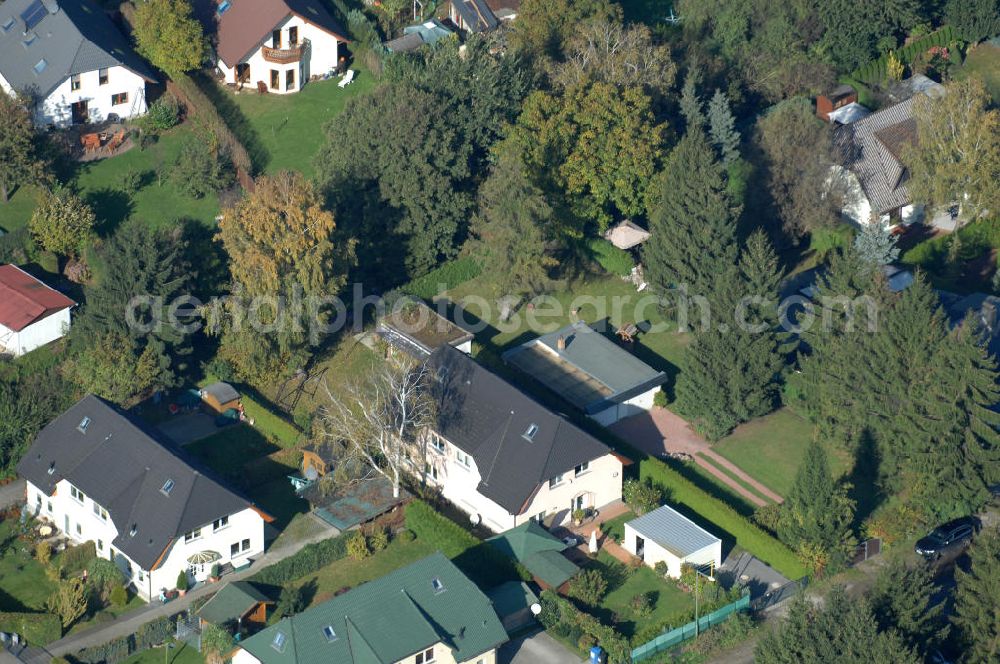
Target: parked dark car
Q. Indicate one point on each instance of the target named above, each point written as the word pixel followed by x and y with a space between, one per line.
pixel 957 533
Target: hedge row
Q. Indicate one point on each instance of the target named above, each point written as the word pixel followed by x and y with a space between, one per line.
pixel 114 651
pixel 486 566
pixel 35 628
pixel 875 71
pixel 559 614
pixel 449 275
pixel 193 96
pixel 309 559
pixel 746 534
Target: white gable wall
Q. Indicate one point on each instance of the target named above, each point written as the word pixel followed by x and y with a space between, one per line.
pixel 654 553
pixel 50 328
pixel 321 55
pixel 57 107
pixel 637 405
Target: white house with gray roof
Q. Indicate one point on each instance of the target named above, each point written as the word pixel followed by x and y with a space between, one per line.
pixel 665 535
pixel 590 371
pixel 71 61
pixel 96 474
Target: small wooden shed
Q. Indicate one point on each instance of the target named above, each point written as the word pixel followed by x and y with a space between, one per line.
pixel 217 398
pixel 238 607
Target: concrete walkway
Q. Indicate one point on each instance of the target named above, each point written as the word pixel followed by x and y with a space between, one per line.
pixel 129 622
pixel 661 432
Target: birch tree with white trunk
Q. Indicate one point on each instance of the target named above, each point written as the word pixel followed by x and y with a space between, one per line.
pixel 378 419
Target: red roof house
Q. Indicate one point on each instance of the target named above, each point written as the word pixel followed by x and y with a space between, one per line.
pixel 31 313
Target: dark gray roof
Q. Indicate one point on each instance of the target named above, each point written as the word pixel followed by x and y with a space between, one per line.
pixel 592 372
pixel 673 531
pixel 223 392
pixel 72 37
pixel 124 465
pixel 487 417
pixel 476 14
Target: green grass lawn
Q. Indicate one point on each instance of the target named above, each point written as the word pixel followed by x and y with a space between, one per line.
pixel 348 573
pixel 983 61
pixel 615 528
pixel 181 653
pixel 105 615
pixel 157 203
pixel 284 132
pixel 226 451
pixel 23 583
pixel 623 585
pixel 16 212
pixel 771 448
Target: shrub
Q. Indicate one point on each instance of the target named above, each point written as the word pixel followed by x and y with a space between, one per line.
pixel 119 596
pixel 562 617
pixel 747 535
pixel 641 496
pixel 161 114
pixel 111 652
pixel 104 575
pixel 69 601
pixel 221 369
pixel 767 517
pixel 616 261
pixel 76 558
pixel 131 181
pixel 201 168
pixel 43 553
pixel 406 535
pixel 447 276
pixel 586 642
pixel 182 580
pixel 379 539
pixel 291 601
pixel 641 605
pixel 208 116
pixel 309 559
pixel 661 568
pixel 660 399
pixel 589 586
pixel 58 660
pixel 357 546
pixel 153 633
pixel 36 628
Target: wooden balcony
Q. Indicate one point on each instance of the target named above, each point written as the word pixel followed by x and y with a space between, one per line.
pixel 284 56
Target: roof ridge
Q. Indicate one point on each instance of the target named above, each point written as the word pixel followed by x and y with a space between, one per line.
pixel 548 457
pixel 496 455
pixel 351 627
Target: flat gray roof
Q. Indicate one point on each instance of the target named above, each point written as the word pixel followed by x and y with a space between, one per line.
pixel 673 531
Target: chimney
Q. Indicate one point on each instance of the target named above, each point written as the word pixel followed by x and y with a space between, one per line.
pixel 561 343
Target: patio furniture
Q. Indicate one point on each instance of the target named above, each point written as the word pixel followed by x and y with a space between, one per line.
pixel 115 142
pixel 261 88
pixel 90 142
pixel 348 78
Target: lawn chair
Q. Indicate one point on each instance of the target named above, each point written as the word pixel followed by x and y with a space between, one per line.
pixel 90 142
pixel 348 78
pixel 261 88
pixel 115 142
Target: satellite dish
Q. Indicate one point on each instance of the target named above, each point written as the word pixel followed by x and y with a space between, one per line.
pixel 475 519
pixel 536 608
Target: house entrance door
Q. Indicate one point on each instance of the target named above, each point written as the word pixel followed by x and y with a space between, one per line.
pixel 80 113
pixel 640 547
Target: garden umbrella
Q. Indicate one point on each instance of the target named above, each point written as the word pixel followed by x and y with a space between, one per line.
pixel 593 541
pixel 204 557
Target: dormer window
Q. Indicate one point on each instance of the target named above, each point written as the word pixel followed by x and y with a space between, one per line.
pixel 82 426
pixel 133 530
pixel 330 635
pixel 278 642
pixel 437 585
pixel 529 434
pixel 167 487
pixel 8 24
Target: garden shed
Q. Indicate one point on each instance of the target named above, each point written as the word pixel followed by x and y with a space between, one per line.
pixel 539 551
pixel 666 535
pixel 238 607
pixel 220 397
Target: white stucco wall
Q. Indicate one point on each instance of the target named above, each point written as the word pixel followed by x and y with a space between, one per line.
pixel 50 328
pixel 321 55
pixel 81 523
pixel 641 403
pixel 598 485
pixel 442 655
pixel 654 553
pixel 57 107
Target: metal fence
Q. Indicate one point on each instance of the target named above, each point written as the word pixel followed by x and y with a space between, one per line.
pixel 670 639
pixel 865 550
pixel 189 630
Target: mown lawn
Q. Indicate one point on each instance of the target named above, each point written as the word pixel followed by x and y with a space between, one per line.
pixel 16 212
pixel 226 451
pixel 667 599
pixel 348 573
pixel 24 585
pixel 284 132
pixel 180 653
pixel 983 61
pixel 771 448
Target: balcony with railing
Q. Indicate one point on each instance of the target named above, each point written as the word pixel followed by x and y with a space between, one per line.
pixel 284 56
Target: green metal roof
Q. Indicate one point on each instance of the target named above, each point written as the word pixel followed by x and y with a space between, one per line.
pixel 231 603
pixel 538 550
pixel 387 620
pixel 511 597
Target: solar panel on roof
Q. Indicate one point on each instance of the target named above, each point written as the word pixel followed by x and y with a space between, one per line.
pixel 34 14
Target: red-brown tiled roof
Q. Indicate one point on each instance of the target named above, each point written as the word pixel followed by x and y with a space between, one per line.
pixel 246 24
pixel 25 300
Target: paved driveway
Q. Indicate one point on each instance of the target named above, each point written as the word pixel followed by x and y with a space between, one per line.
pixel 537 648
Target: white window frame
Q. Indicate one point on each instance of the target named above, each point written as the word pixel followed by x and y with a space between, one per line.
pixel 463 459
pixel 438 444
pixel 220 524
pixel 100 512
pixel 556 481
pixel 582 469
pixel 77 495
pixel 425 657
pixel 192 536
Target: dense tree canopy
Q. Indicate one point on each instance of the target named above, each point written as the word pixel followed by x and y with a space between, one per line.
pixel 977 600
pixel 974 19
pixel 548 25
pixel 62 222
pixel 19 159
pixel 168 35
pixel 903 598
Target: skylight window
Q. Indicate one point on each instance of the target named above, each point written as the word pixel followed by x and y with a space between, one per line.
pixel 278 642
pixel 29 39
pixel 329 633
pixel 85 422
pixel 437 585
pixel 133 530
pixel 52 468
pixel 8 24
pixel 34 14
pixel 529 434
pixel 168 486
pixel 223 6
